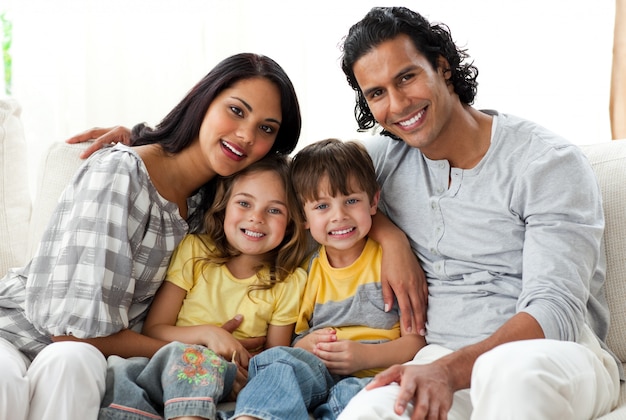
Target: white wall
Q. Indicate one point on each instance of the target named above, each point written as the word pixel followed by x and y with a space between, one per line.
pixel 84 63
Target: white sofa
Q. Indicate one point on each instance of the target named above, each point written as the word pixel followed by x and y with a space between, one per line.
pixel 22 222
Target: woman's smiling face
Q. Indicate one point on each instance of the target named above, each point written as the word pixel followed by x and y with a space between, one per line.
pixel 241 125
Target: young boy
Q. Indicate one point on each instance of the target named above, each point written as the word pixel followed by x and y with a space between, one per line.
pixel 344 334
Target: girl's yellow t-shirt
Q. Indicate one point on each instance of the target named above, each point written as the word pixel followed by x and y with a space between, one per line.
pixel 215 296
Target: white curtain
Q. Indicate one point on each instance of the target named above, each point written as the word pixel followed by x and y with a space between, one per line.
pixel 84 63
pixel 618 73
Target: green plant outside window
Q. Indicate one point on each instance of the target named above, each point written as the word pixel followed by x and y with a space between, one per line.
pixel 7 38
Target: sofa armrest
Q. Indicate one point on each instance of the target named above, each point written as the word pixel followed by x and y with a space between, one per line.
pixel 15 200
pixel 608 160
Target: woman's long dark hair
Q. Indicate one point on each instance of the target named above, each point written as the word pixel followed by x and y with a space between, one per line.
pixel 182 125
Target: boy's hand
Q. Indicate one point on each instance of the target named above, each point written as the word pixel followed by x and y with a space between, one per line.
pixel 343 357
pixel 310 341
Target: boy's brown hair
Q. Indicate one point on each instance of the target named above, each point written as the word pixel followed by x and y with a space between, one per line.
pixel 344 164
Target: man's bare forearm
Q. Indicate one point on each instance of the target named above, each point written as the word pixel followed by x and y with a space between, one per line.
pixel 460 363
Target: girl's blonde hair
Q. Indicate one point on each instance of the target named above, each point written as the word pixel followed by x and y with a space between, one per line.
pixel 286 257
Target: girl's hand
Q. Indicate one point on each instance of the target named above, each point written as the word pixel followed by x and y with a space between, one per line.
pixel 223 343
pixel 101 137
pixel 254 345
pixel 240 381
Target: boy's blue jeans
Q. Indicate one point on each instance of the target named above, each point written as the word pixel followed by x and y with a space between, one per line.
pixel 179 380
pixel 287 383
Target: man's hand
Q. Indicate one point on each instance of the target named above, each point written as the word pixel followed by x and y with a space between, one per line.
pixel 403 277
pixel 427 387
pixel 101 137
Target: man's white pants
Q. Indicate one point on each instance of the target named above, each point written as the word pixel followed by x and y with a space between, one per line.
pixel 531 379
pixel 65 381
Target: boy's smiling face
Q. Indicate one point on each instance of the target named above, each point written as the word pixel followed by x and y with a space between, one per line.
pixel 340 222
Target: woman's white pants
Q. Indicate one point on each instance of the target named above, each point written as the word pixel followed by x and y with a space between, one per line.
pixel 65 381
pixel 532 379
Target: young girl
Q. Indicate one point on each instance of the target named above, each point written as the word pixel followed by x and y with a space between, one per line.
pixel 107 247
pixel 247 263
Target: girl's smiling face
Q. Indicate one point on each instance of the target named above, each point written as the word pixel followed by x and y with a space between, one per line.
pixel 256 213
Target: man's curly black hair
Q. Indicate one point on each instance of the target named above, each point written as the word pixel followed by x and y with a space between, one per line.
pixel 432 40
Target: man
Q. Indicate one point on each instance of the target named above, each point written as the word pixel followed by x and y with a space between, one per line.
pixel 507 222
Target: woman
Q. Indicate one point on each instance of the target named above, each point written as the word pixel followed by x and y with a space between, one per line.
pixel 106 249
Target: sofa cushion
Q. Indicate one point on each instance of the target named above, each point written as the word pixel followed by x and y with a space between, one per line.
pixel 57 167
pixel 15 200
pixel 609 163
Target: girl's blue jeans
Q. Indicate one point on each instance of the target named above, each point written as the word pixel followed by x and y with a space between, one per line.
pixel 179 380
pixel 287 383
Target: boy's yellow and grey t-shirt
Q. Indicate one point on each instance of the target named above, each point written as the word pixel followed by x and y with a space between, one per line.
pixel 348 299
pixel 214 295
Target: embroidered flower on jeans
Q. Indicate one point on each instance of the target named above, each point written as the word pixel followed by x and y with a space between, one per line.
pixel 199 366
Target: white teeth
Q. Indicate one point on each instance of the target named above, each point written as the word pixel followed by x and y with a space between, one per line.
pixel 253 234
pixel 229 147
pixel 341 232
pixel 412 120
